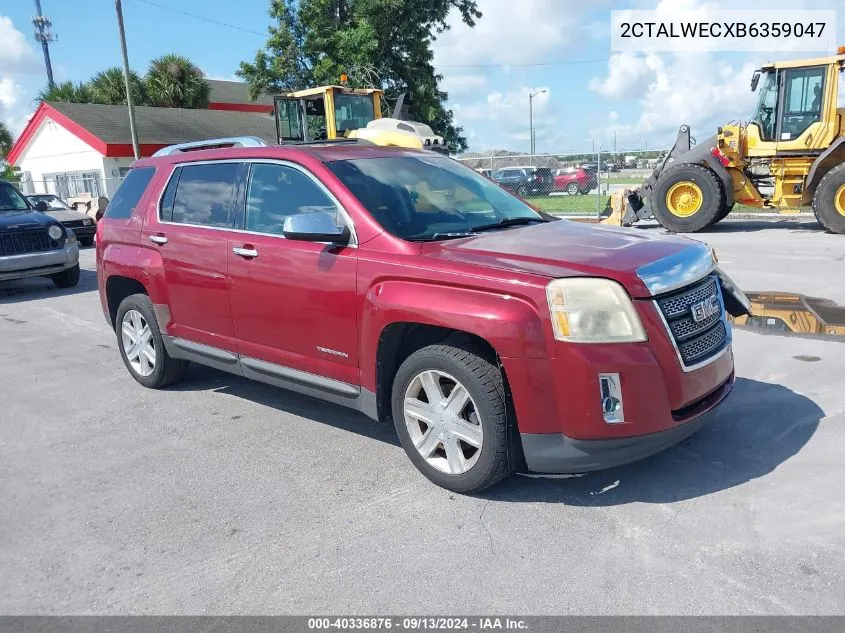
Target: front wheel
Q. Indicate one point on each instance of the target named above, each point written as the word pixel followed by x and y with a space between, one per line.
pixel 67 278
pixel 449 410
pixel 829 200
pixel 521 191
pixel 687 198
pixel 572 188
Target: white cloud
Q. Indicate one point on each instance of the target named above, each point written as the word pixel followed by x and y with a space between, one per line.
pixel 462 85
pixel 511 33
pixel 16 58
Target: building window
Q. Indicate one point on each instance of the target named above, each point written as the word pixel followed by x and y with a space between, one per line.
pixel 71 184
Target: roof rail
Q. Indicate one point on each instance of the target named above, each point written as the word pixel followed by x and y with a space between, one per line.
pixel 234 141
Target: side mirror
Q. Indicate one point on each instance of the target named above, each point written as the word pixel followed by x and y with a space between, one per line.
pixel 41 206
pixel 755 79
pixel 319 226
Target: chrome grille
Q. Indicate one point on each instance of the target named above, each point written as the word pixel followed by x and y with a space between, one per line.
pixel 696 341
pixel 21 242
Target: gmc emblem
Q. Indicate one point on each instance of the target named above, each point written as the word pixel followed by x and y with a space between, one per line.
pixel 705 309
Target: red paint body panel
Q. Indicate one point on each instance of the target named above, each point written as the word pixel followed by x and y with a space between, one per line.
pixel 296 297
pixel 578 176
pixel 293 299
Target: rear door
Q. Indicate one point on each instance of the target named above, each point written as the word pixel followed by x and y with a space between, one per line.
pixel 190 233
pixel 293 302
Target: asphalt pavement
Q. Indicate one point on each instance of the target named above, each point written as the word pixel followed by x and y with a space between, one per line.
pixel 222 496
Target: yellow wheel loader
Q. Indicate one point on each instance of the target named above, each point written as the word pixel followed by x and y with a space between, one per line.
pixel 788 312
pixel 790 154
pixel 335 113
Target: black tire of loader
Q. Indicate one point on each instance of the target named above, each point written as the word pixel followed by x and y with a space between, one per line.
pixel 824 206
pixel 711 189
pixel 723 213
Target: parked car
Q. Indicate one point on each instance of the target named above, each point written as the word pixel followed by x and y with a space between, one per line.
pixel 574 180
pixel 487 173
pixel 34 244
pixel 407 286
pixel 82 226
pixel 525 181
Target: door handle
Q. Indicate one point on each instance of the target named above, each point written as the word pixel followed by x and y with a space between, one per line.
pixel 245 252
pixel 158 239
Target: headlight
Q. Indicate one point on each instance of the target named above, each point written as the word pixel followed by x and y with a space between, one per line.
pixel 55 232
pixel 86 222
pixel 591 310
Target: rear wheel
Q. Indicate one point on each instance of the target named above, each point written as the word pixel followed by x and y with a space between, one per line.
pixel 142 346
pixel 521 191
pixel 723 213
pixel 449 410
pixel 572 188
pixel 829 200
pixel 687 198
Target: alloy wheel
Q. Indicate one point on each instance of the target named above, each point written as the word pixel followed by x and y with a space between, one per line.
pixel 443 422
pixel 138 345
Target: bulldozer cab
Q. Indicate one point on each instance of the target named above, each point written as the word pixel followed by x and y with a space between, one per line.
pixel 324 113
pixel 796 109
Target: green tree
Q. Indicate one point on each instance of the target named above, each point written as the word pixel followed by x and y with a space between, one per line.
pixel 378 43
pixel 6 140
pixel 66 91
pixel 173 81
pixel 109 87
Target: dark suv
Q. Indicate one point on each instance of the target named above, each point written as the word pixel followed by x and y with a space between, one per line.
pixel 409 287
pixel 33 244
pixel 525 181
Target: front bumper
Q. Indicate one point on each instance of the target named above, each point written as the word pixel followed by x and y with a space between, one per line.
pixel 84 232
pixel 556 453
pixel 39 264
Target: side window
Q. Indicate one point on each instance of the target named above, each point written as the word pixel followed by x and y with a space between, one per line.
pixel 276 192
pixel 205 194
pixel 129 193
pixel 803 96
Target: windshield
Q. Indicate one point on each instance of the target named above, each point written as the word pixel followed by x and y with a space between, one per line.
pixel 424 198
pixel 352 111
pixel 765 113
pixel 10 199
pixel 52 202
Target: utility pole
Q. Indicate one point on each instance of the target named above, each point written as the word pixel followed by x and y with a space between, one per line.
pixel 135 149
pixel 531 117
pixel 44 34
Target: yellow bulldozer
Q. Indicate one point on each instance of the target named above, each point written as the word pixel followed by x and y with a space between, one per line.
pixel 791 153
pixel 334 113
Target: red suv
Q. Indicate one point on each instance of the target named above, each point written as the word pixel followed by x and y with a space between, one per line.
pixel 574 180
pixel 407 286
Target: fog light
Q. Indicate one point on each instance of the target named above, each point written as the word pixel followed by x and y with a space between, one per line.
pixel 610 388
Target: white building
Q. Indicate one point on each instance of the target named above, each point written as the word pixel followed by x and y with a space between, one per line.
pixel 70 148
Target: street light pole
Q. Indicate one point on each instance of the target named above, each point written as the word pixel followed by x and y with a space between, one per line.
pixel 135 149
pixel 531 96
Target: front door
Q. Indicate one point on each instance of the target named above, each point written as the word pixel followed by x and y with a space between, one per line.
pixel 293 302
pixel 190 236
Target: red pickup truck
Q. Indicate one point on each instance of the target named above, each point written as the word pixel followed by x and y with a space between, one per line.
pixel 407 286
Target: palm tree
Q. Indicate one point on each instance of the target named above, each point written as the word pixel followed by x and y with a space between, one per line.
pixel 109 87
pixel 6 140
pixel 172 81
pixel 66 91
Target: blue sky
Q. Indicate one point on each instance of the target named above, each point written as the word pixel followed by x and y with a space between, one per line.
pixel 561 46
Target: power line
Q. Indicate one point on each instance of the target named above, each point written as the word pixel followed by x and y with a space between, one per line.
pixel 202 17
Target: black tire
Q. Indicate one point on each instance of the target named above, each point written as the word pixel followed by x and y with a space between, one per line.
pixel 67 278
pixel 167 370
pixel 483 381
pixel 723 213
pixel 824 200
pixel 572 188
pixel 521 191
pixel 86 241
pixel 713 198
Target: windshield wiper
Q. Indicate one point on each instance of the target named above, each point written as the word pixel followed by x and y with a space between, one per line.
pixel 440 236
pixel 501 224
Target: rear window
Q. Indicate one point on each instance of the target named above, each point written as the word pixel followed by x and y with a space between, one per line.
pixel 129 193
pixel 205 194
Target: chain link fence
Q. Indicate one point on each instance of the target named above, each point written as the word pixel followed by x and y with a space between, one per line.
pixel 566 183
pixel 72 187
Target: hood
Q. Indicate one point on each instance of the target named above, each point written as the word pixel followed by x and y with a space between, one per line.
pixel 565 249
pixel 22 220
pixel 65 215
